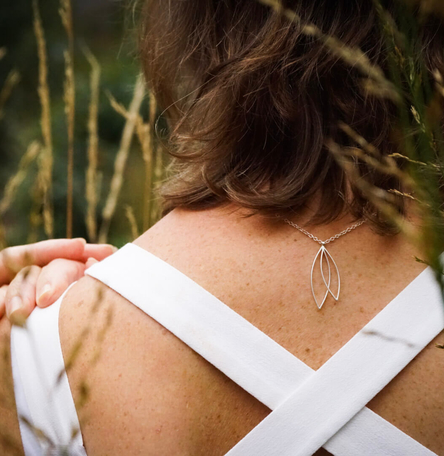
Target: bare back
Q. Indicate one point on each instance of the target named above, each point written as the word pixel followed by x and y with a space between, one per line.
pixel 148 393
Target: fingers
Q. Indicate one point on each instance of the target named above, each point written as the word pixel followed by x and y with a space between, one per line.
pixel 55 278
pixel 3 290
pixel 98 251
pixel 20 294
pixel 13 259
pixel 39 285
pixel 43 286
pixel 90 262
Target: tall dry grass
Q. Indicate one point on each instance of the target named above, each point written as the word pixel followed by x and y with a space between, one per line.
pixel 69 98
pixel 46 160
pixel 41 214
pixel 149 152
pixel 92 188
pixel 145 136
pixel 17 179
pixel 353 56
pixel 6 90
pixel 129 211
pixel 12 80
pixel 122 158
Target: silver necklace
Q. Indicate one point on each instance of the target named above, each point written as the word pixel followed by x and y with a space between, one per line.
pixel 324 255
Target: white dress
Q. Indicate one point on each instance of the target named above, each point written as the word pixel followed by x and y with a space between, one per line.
pixel 310 409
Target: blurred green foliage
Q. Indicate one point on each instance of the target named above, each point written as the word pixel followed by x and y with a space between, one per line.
pixel 106 28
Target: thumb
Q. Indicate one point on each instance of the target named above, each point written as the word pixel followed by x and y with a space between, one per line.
pixel 55 278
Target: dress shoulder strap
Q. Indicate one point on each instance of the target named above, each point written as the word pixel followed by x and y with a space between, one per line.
pixel 253 360
pixel 204 323
pixel 47 414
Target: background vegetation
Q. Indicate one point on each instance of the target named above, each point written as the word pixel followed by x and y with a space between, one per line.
pixel 76 126
pixel 94 46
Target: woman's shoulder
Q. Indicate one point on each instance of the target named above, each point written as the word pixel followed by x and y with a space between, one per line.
pixel 136 386
pixel 126 361
pixel 124 370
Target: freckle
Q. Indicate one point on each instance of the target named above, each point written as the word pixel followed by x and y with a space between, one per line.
pixel 307 350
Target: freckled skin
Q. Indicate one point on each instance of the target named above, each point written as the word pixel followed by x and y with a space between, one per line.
pixel 150 394
pixel 233 252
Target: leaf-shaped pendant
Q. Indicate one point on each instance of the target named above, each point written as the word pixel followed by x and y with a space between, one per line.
pixel 324 256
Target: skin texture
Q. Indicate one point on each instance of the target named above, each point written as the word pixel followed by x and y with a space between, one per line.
pixel 140 390
pixel 170 401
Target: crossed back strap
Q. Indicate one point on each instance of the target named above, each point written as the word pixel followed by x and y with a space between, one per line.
pixel 324 403
pixel 311 409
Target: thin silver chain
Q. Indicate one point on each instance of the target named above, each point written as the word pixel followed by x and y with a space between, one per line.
pixel 319 241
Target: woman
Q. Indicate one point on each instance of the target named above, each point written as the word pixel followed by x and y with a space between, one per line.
pixel 251 101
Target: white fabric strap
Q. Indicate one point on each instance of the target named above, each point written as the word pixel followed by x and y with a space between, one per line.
pixel 203 322
pixel 237 348
pixel 353 376
pixel 43 395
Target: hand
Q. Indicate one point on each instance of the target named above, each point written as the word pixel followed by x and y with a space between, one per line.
pixel 39 273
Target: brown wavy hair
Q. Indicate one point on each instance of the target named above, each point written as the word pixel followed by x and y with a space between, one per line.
pixel 250 101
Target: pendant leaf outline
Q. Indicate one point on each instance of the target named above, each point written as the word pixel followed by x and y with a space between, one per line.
pixel 325 255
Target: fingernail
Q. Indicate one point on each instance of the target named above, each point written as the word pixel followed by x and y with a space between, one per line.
pixel 15 304
pixel 80 239
pixel 114 249
pixel 46 291
pixel 17 319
